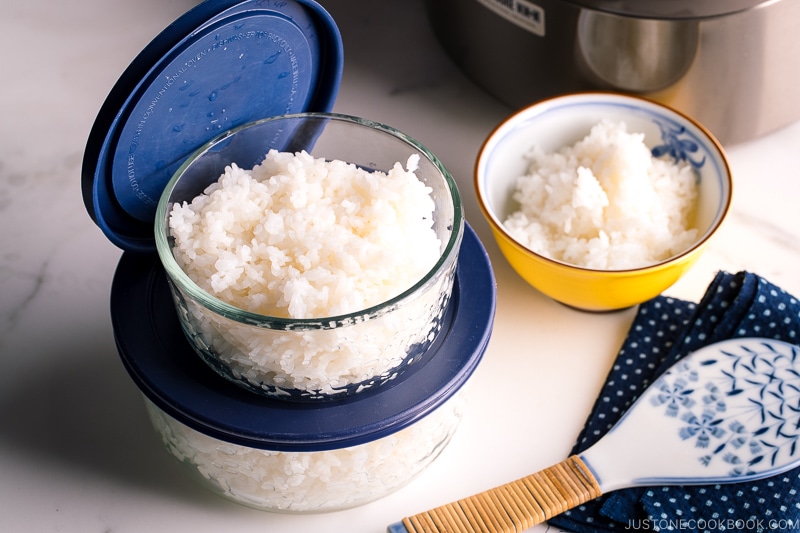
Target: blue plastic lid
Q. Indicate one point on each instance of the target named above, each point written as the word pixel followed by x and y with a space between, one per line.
pixel 168 372
pixel 220 65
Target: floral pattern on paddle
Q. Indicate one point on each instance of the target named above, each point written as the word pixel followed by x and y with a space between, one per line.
pixel 747 415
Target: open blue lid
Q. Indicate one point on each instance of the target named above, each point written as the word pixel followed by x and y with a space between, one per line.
pixel 169 373
pixel 220 65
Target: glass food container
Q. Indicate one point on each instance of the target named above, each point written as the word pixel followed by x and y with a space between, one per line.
pixel 307 482
pixel 314 358
pixel 223 67
pixel 300 456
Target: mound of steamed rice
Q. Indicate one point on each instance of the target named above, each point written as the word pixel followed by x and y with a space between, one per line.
pixel 302 237
pixel 605 202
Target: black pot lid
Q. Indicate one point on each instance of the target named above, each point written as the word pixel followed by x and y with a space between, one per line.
pixel 166 369
pixel 670 9
pixel 220 65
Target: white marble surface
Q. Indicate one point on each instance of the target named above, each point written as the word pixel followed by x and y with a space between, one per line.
pixel 76 451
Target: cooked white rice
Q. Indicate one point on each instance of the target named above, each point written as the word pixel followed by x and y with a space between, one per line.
pixel 302 237
pixel 605 202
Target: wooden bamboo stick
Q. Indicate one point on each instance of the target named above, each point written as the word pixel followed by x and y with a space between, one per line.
pixel 515 506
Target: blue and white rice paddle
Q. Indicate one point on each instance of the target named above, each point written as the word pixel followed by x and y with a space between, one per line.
pixel 729 412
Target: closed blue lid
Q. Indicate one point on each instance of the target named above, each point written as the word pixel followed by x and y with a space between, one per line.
pixel 166 369
pixel 220 65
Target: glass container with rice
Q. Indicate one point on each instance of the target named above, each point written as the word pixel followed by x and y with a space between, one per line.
pixel 300 457
pixel 309 481
pixel 311 256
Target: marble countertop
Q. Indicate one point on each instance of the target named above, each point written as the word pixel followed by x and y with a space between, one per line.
pixel 77 453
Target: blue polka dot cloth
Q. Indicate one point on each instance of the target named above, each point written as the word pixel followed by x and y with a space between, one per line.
pixel 663 331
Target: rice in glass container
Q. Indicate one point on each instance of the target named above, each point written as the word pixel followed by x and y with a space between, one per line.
pixel 334 259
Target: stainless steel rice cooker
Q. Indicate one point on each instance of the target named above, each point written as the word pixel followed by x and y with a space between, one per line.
pixel 734 65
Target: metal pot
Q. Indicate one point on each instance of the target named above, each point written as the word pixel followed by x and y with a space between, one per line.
pixel 734 65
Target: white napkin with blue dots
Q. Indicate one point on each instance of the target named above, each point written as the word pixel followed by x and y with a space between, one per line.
pixel 665 330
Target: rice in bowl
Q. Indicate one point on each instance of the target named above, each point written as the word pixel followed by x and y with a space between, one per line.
pixel 605 202
pixel 302 237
